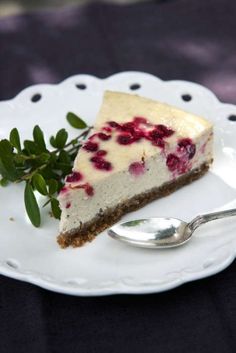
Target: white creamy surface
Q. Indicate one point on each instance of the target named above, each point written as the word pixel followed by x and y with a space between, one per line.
pixel 122 107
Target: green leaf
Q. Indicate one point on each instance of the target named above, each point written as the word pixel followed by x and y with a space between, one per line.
pixel 64 157
pixel 53 158
pixel 7 166
pixel 55 208
pixel 15 139
pixel 44 157
pixel 19 158
pixel 61 138
pixel 53 141
pixel 74 142
pixel 75 121
pixel 31 147
pixel 49 173
pixel 31 206
pixel 3 171
pixel 40 184
pixel 39 137
pixel 5 148
pixel 3 182
pixel 53 186
pixel 64 168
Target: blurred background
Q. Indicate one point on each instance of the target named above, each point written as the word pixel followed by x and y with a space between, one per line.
pixel 11 7
pixel 190 40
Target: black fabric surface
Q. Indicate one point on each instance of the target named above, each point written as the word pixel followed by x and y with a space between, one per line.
pixel 179 39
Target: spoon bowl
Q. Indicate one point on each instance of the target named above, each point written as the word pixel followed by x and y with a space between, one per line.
pixel 152 232
pixel 162 232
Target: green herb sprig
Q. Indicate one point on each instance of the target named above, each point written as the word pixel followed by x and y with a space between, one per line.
pixel 40 168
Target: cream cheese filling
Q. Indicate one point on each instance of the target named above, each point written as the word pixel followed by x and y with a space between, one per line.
pixel 121 186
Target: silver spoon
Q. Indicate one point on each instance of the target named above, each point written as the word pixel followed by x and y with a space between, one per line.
pixel 162 232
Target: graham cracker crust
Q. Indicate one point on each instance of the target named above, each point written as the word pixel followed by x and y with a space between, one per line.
pixel 88 231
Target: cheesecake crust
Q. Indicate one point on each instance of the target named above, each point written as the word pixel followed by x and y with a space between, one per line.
pixel 87 232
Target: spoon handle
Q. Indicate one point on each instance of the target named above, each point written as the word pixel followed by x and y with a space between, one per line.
pixel 196 222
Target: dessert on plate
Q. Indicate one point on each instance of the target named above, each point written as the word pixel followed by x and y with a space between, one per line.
pixel 139 150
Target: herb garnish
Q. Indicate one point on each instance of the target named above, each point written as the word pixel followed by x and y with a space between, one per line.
pixel 38 167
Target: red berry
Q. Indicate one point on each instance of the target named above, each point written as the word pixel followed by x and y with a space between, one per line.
pixel 90 146
pixel 125 139
pixel 92 136
pixel 154 135
pixel 113 124
pixel 103 165
pixel 103 136
pixel 63 190
pixel 163 131
pixel 137 135
pixel 129 127
pixel 89 189
pixel 74 177
pixel 101 153
pixel 107 129
pixel 186 145
pixel 140 120
pixel 172 162
pixel 159 143
pixel 95 159
pixel 137 168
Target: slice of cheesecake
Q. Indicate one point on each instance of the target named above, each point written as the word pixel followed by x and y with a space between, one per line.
pixel 138 151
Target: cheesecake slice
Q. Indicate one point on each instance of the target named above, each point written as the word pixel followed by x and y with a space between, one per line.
pixel 138 151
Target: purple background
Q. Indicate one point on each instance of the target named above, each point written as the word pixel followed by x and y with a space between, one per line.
pixel 179 39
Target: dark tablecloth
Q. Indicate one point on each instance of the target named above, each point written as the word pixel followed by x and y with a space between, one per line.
pixel 179 39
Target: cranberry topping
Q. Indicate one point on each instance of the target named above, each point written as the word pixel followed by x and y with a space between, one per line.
pixel 63 190
pixel 95 159
pixel 103 136
pixel 68 205
pixel 129 127
pixel 87 187
pixel 137 135
pixel 101 153
pixel 113 124
pixel 125 139
pixel 159 142
pixel 183 167
pixel 154 135
pixel 103 165
pixel 74 177
pixel 89 190
pixel 156 138
pixel 172 162
pixel 140 120
pixel 131 132
pixel 99 162
pixel 137 168
pixel 107 129
pixel 187 146
pixel 90 146
pixel 92 136
pixel 176 164
pixel 163 131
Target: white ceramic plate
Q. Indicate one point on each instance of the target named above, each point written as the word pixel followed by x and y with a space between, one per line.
pixel 106 266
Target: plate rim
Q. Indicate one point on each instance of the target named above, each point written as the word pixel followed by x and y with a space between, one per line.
pixel 128 289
